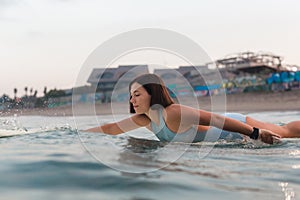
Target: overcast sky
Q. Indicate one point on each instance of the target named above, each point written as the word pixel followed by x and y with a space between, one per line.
pixel 45 42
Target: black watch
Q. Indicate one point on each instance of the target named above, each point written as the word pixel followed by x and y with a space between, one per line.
pixel 254 135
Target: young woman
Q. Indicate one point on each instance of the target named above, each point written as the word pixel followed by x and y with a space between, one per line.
pixel 155 110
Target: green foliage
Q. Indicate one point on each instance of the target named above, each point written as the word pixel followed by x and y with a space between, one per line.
pixel 55 93
pixel 41 102
pixel 5 98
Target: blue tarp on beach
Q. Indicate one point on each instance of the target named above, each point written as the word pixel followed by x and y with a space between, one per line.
pixel 207 87
pixel 284 77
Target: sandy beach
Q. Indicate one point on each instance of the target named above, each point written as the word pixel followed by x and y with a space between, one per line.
pixel 242 102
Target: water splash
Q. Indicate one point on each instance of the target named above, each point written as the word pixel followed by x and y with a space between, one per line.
pixel 13 127
pixel 11 124
pixel 289 193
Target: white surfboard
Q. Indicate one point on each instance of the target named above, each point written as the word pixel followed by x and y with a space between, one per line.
pixel 10 133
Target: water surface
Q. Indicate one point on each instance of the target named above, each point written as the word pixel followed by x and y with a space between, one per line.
pixel 55 161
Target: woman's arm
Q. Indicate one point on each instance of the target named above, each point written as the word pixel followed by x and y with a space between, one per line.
pixel 201 117
pixel 122 126
pixel 233 125
pixel 225 123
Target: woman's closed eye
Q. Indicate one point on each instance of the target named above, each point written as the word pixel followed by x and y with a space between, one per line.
pixel 136 94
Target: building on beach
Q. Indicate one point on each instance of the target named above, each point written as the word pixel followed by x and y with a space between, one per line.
pixel 253 63
pixel 231 74
pixel 257 71
pixel 106 78
pixel 191 80
pixel 110 81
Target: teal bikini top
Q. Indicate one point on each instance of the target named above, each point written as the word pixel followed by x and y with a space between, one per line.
pixel 164 134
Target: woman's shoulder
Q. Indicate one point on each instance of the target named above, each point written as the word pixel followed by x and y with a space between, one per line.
pixel 179 116
pixel 174 110
pixel 141 119
pixel 177 108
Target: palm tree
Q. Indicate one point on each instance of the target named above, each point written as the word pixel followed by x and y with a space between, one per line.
pixel 35 93
pixel 31 90
pixel 26 89
pixel 45 91
pixel 15 92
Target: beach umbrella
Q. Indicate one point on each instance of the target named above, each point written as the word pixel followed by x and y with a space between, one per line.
pixel 297 76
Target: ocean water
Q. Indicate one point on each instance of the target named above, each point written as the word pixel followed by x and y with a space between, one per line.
pixel 53 160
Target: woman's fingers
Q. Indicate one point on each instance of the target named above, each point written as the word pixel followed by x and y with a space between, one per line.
pixel 269 137
pixel 276 140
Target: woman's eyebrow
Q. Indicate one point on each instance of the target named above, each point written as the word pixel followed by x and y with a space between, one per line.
pixel 135 91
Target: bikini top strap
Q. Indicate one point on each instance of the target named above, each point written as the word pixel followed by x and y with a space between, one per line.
pixel 162 122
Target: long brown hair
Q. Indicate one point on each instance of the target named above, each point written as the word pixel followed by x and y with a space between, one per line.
pixel 154 87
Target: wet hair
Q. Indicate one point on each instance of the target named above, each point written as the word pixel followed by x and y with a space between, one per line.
pixel 154 87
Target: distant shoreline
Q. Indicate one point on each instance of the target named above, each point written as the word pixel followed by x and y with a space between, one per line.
pixel 241 102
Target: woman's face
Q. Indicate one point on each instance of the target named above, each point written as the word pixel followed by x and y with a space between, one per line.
pixel 139 98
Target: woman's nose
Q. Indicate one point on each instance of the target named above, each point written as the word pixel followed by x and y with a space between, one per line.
pixel 131 99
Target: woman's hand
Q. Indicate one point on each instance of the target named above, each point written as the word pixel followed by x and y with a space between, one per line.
pixel 268 136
